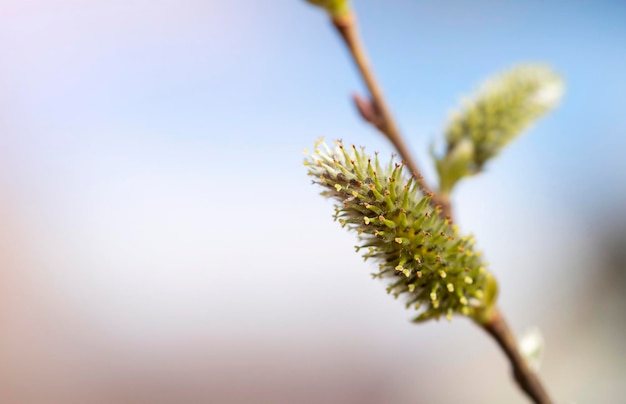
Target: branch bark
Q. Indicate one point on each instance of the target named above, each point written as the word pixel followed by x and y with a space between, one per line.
pixel 527 380
pixel 375 110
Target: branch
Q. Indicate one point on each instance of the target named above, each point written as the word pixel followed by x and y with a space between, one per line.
pixel 375 110
pixel 527 380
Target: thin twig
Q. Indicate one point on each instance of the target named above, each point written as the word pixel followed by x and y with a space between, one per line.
pixel 376 112
pixel 527 380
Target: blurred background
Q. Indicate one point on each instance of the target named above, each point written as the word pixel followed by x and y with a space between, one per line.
pixel 161 243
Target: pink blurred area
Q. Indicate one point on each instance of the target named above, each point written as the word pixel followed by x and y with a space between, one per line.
pixel 53 349
pixel 49 353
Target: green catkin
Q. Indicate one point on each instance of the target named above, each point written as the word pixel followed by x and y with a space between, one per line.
pixel 504 107
pixel 421 254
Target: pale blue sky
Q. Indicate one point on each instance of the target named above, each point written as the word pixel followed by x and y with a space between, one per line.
pixel 237 76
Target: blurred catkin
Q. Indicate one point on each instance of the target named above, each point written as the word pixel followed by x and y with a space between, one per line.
pixel 503 107
pixel 420 253
pixel 335 8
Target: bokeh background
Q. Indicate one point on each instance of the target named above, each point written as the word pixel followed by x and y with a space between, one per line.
pixel 161 243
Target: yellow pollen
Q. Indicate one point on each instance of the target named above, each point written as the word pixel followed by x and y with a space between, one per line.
pixel 398 240
pixel 407 272
pixel 468 280
pixel 399 268
pixel 355 194
pixel 442 273
pixel 450 287
pixel 419 274
pixel 433 296
pixel 463 300
pixel 338 187
pixel 411 288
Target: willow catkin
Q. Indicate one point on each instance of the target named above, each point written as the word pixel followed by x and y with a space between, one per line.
pixel 421 255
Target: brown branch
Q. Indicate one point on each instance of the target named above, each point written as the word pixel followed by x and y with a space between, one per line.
pixel 527 380
pixel 375 110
